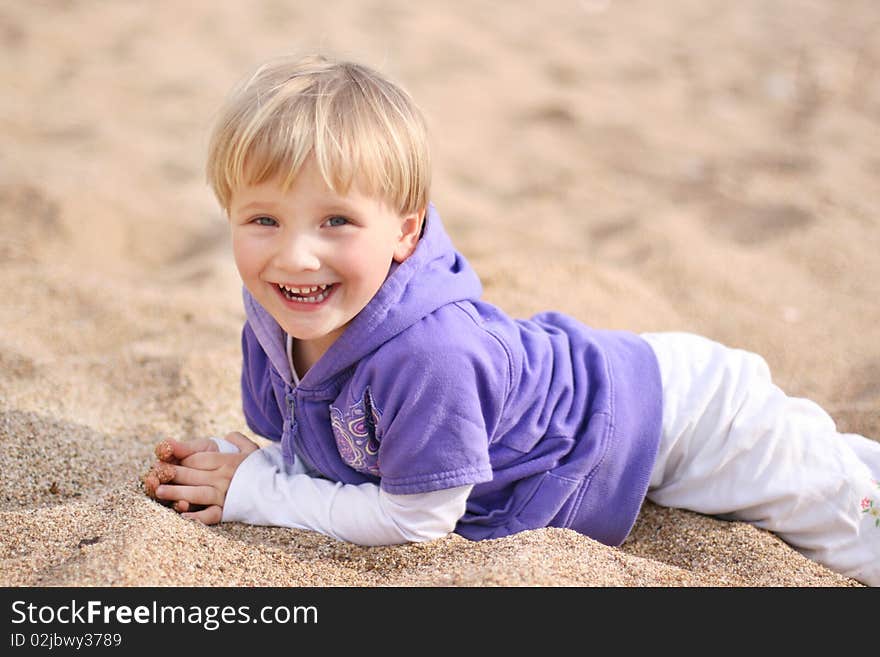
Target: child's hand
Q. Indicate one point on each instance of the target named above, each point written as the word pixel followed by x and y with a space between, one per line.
pixel 169 452
pixel 201 476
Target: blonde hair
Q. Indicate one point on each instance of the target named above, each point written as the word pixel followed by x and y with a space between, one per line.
pixel 359 126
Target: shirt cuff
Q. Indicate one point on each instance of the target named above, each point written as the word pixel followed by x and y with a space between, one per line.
pixel 224 446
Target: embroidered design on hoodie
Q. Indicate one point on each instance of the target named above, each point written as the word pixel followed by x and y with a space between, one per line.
pixel 355 433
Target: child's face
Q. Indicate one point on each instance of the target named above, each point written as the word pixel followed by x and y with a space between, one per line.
pixel 313 258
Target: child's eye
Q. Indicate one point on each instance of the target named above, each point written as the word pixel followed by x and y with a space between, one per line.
pixel 265 221
pixel 337 221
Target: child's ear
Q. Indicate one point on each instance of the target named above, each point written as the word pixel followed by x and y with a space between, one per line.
pixel 410 231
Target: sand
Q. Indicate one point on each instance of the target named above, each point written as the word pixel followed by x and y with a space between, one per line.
pixel 698 165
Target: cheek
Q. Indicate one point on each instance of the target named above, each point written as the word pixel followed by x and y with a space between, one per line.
pixel 246 257
pixel 369 267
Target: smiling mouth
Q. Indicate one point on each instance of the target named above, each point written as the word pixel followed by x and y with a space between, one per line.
pixel 309 294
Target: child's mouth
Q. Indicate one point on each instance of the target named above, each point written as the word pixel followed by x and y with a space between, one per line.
pixel 313 294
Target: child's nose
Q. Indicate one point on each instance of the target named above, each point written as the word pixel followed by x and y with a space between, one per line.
pixel 298 253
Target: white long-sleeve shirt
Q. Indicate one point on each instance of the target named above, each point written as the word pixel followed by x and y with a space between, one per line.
pixel 267 491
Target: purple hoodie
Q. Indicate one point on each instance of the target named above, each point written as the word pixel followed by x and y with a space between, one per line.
pixel 555 423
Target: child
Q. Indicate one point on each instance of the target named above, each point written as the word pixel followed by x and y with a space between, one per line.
pixel 401 407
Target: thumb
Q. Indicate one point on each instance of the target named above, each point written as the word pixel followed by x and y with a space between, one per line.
pixel 244 444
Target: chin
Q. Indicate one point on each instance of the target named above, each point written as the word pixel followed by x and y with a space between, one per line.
pixel 304 334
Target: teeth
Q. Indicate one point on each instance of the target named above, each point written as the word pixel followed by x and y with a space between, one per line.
pixel 303 290
pixel 298 293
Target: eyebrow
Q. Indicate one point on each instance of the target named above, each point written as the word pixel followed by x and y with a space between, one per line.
pixel 337 206
pixel 253 205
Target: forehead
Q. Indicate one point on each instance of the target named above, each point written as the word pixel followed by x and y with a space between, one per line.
pixel 308 191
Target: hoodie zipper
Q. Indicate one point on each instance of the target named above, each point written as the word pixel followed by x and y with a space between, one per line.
pixel 298 445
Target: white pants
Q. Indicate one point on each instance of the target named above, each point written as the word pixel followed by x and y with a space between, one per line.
pixel 735 446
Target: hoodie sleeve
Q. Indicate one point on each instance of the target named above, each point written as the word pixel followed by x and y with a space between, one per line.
pixel 435 404
pixel 258 399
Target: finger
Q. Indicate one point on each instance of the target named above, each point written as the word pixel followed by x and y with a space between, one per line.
pixel 180 450
pixel 205 495
pixel 210 516
pixel 205 460
pixel 163 471
pixel 186 476
pixel 245 444
pixel 164 451
pixel 159 473
pixel 183 506
pixel 151 483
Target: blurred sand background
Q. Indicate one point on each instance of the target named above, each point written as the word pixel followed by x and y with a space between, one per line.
pixel 697 165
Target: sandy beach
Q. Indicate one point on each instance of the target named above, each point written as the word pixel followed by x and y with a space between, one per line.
pixel 692 165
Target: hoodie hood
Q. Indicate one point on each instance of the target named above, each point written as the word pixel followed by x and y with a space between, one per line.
pixel 435 275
